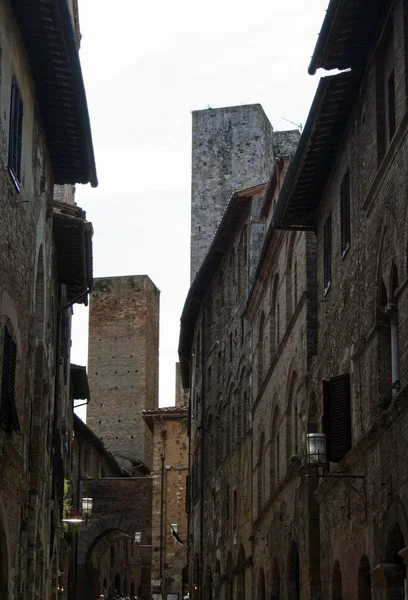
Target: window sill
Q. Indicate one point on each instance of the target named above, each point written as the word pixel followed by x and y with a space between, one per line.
pixel 326 289
pixel 345 251
pixel 14 179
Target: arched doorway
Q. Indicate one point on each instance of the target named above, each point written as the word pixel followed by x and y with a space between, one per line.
pixel 293 573
pixel 229 582
pixel 116 584
pixel 275 581
pixel 240 578
pixel 337 590
pixel 217 581
pixel 209 585
pixel 196 578
pixel 395 576
pixel 364 579
pixel 261 585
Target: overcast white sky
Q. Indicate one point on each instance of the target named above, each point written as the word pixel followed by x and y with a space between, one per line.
pixel 146 66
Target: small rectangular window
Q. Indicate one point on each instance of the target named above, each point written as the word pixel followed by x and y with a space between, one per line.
pixel 345 212
pixel 15 134
pixel 337 416
pixel 8 411
pixel 327 253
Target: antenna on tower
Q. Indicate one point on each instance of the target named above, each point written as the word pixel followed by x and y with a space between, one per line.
pixel 299 125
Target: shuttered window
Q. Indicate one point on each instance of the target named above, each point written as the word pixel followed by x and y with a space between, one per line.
pixel 15 134
pixel 8 412
pixel 345 212
pixel 327 253
pixel 337 416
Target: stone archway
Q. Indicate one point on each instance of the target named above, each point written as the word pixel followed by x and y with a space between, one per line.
pixel 275 581
pixel 261 594
pixel 293 573
pixel 240 575
pixel 99 563
pixel 395 573
pixel 364 579
pixel 337 587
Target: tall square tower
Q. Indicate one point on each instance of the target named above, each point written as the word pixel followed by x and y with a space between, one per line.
pixel 123 364
pixel 232 149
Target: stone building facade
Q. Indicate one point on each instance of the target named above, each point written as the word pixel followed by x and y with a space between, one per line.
pixel 349 187
pixel 232 149
pixel 104 554
pixel 215 356
pixel 281 314
pixel 123 365
pixel 46 267
pixel 169 518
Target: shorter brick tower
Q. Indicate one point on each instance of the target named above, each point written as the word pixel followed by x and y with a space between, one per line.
pixel 123 364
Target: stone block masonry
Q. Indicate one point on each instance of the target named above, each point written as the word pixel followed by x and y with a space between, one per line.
pixel 232 149
pixel 123 364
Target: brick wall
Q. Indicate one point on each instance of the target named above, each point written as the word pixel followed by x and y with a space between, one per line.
pixel 123 363
pixel 169 496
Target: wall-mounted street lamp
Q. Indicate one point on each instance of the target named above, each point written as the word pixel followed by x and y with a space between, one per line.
pixel 316 457
pixel 316 452
pixel 87 508
pixel 138 537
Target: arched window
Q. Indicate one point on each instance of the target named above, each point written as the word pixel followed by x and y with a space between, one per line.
pixel 274 449
pixel 273 317
pixel 240 579
pixel 288 278
pixel 293 573
pixel 261 595
pixel 292 418
pixel 337 593
pixel 364 579
pixel 275 581
pixel 261 482
pixel 396 575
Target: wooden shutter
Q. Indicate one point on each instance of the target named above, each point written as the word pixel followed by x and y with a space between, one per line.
pixel 345 211
pixel 8 412
pixel 15 133
pixel 337 416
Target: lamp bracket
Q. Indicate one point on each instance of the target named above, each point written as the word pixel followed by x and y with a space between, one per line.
pixel 359 487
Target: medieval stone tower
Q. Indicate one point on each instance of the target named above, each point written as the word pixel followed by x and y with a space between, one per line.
pixel 123 364
pixel 232 148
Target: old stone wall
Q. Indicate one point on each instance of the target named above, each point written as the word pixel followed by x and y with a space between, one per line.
pixel 170 468
pixel 123 364
pixel 27 308
pixel 366 524
pixel 232 149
